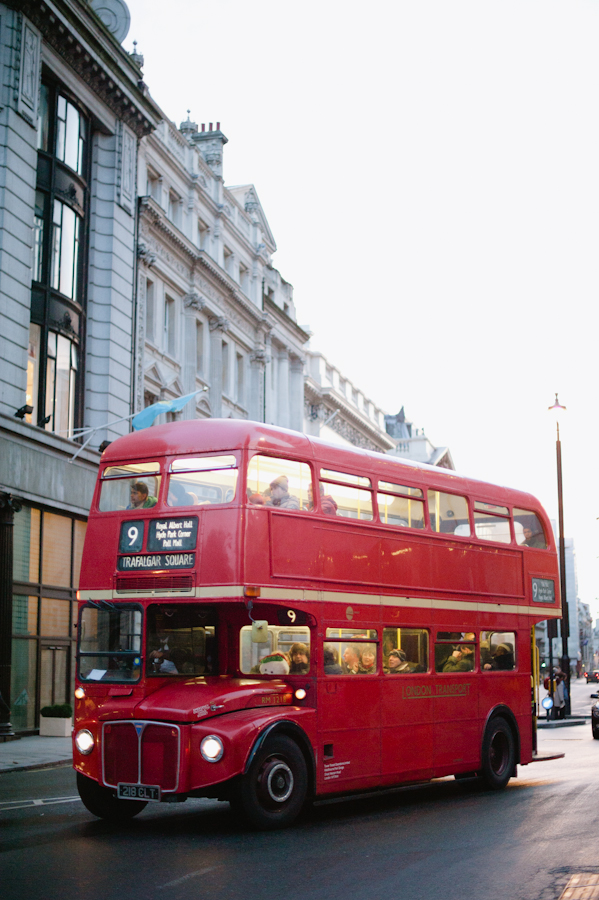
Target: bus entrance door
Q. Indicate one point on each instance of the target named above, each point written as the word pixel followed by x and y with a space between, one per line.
pixel 349 712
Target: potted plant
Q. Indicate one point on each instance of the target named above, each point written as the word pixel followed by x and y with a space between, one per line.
pixel 56 720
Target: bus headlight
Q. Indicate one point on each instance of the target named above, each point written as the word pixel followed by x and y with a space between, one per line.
pixel 212 748
pixel 84 741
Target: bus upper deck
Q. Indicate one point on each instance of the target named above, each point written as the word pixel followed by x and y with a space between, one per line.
pixel 183 507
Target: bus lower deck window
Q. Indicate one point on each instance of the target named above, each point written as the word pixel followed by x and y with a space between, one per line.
pixel 285 652
pixel 497 651
pixel 405 651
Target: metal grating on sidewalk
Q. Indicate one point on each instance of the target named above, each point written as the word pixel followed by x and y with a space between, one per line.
pixel 583 886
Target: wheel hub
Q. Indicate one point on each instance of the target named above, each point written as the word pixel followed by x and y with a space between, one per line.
pixel 277 781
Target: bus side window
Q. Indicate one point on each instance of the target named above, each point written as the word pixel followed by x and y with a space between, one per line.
pixel 202 480
pixel 286 652
pixel 348 495
pixel 497 651
pixel 455 651
pixel 448 513
pixel 528 529
pixel 405 650
pixel 279 483
pixel 350 651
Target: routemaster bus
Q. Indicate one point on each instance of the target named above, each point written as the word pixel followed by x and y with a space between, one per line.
pixel 269 619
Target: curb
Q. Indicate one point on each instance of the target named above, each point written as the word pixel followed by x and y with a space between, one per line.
pixel 48 765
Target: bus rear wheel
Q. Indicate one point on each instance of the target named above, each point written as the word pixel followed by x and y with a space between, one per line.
pixel 499 754
pixel 273 791
pixel 100 801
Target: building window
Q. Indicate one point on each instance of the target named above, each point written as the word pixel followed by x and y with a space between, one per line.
pixel 228 260
pixel 174 208
pixel 244 278
pixel 154 186
pixel 203 235
pixel 59 249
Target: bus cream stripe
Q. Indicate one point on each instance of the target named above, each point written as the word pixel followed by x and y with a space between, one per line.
pixel 298 596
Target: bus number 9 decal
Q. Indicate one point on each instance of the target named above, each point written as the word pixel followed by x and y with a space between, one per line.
pixel 132 536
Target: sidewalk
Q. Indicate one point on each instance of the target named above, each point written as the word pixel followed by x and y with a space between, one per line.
pixel 35 752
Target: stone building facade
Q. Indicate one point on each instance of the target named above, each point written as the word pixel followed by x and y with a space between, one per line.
pixel 214 315
pixel 73 110
pixel 337 411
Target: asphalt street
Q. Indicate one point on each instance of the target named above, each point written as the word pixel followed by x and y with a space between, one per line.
pixel 432 842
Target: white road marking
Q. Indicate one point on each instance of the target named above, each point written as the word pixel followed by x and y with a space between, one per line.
pixel 27 804
pixel 170 884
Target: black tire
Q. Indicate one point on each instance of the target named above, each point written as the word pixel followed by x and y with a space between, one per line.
pixel 102 802
pixel 273 792
pixel 596 734
pixel 498 754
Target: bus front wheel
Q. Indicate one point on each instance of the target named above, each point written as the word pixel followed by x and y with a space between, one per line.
pixel 100 801
pixel 499 754
pixel 273 791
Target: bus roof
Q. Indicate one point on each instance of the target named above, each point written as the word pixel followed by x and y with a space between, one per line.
pixel 218 435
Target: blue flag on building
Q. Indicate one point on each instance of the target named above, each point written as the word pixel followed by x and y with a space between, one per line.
pixel 146 417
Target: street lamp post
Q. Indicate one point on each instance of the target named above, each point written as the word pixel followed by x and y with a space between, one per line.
pixel 557 409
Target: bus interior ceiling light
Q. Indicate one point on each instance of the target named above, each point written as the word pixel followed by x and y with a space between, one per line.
pixel 211 748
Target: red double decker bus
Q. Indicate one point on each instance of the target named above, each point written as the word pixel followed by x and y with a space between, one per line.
pixel 265 618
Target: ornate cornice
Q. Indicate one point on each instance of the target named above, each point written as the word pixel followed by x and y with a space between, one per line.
pixel 78 36
pixel 315 395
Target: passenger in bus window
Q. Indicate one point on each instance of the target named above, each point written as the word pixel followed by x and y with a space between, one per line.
pixel 461 659
pixel 161 662
pixel 280 496
pixel 255 498
pixel 331 666
pixel 367 664
pixel 327 503
pixel 140 498
pixel 398 663
pixel 533 540
pixel 351 660
pixel 178 496
pixel 502 659
pixel 300 659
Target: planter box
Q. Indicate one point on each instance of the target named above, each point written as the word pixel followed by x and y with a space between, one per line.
pixel 51 727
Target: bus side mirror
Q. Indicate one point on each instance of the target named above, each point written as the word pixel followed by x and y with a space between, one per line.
pixel 259 631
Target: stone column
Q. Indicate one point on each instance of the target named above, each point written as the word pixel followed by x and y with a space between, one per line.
pixel 296 394
pixel 283 417
pixel 219 325
pixel 270 409
pixel 192 304
pixel 9 505
pixel 256 400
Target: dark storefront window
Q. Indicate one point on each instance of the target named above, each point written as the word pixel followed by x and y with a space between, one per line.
pixel 57 329
pixel 46 565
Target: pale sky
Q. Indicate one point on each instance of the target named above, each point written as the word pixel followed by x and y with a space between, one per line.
pixel 430 172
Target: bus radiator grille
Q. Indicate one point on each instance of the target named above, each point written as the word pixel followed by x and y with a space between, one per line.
pixel 156 764
pixel 159 583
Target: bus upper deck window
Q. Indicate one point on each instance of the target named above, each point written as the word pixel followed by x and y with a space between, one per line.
pixel 448 513
pixel 279 483
pixel 202 480
pixel 400 505
pixel 491 522
pixel 350 494
pixel 528 529
pixel 129 486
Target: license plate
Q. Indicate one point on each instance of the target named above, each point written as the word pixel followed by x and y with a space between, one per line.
pixel 138 792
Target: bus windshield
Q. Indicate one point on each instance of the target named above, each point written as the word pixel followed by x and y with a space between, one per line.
pixel 181 640
pixel 110 643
